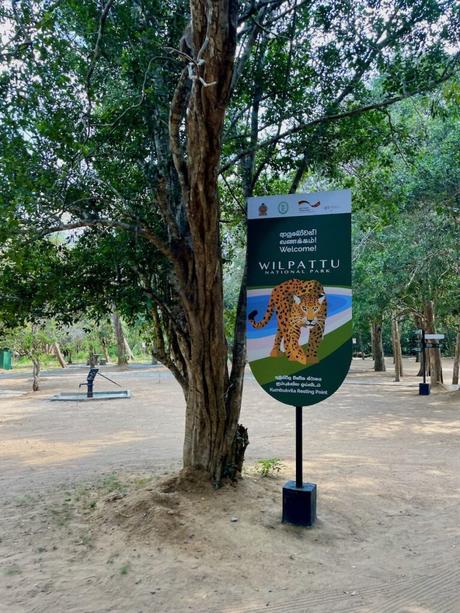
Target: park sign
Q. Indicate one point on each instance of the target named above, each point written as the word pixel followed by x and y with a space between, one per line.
pixel 299 331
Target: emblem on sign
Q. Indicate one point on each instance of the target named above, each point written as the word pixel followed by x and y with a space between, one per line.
pixel 283 207
pixel 263 210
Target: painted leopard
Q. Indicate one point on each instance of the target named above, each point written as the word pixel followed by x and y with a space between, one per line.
pixel 298 304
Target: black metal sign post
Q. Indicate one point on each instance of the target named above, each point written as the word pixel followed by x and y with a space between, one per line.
pixel 299 498
pixel 298 447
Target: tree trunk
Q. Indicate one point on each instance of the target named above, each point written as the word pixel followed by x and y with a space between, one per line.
pixel 372 341
pixel 393 346
pixel 377 347
pixel 105 350
pixel 121 348
pixel 197 344
pixel 398 345
pixel 397 354
pixel 35 375
pixel 59 356
pixel 424 364
pixel 128 351
pixel 434 354
pixel 361 346
pixel 456 360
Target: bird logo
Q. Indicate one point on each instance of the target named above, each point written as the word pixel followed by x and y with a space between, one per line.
pixel 304 205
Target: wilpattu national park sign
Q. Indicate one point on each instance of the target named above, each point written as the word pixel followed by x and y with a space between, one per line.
pixel 299 332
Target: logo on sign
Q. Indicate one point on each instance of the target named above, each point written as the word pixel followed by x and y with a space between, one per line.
pixel 283 208
pixel 306 205
pixel 263 209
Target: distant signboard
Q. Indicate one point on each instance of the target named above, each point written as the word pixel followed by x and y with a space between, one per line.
pixel 434 337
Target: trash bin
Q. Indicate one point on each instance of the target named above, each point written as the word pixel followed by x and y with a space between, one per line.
pixel 5 359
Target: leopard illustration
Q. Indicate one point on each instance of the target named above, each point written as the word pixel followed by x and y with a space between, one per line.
pixel 298 304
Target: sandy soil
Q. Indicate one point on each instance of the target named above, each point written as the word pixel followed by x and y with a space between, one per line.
pixel 89 521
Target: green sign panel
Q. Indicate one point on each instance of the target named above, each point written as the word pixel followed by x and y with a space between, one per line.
pixel 299 332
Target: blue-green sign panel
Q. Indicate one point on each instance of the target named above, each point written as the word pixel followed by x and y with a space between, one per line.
pixel 299 294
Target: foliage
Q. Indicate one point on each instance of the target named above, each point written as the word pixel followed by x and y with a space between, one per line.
pixel 268 467
pixel 31 341
pixel 406 226
pixel 82 128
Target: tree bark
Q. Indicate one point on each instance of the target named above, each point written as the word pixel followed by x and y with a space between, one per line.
pixel 193 344
pixel 59 356
pixel 393 344
pixel 400 355
pixel 397 354
pixel 35 374
pixel 372 341
pixel 377 347
pixel 361 346
pixel 455 371
pixel 128 351
pixel 121 348
pixel 434 354
pixel 105 350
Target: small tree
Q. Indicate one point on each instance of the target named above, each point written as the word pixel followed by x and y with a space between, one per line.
pixel 31 342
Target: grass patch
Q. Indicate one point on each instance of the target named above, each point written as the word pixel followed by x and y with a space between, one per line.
pixel 61 515
pixel 12 570
pixel 25 501
pixel 112 483
pixel 125 568
pixel 142 481
pixel 268 467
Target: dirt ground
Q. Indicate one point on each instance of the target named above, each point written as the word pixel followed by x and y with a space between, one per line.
pixel 91 522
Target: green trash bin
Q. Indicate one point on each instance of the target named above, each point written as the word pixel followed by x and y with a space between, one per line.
pixel 5 359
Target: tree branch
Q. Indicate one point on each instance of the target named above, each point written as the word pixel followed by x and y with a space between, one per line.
pixel 239 340
pixel 272 148
pixel 255 8
pixel 111 223
pixel 102 20
pixel 160 353
pixel 165 309
pixel 177 112
pixel 253 32
pixel 330 118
